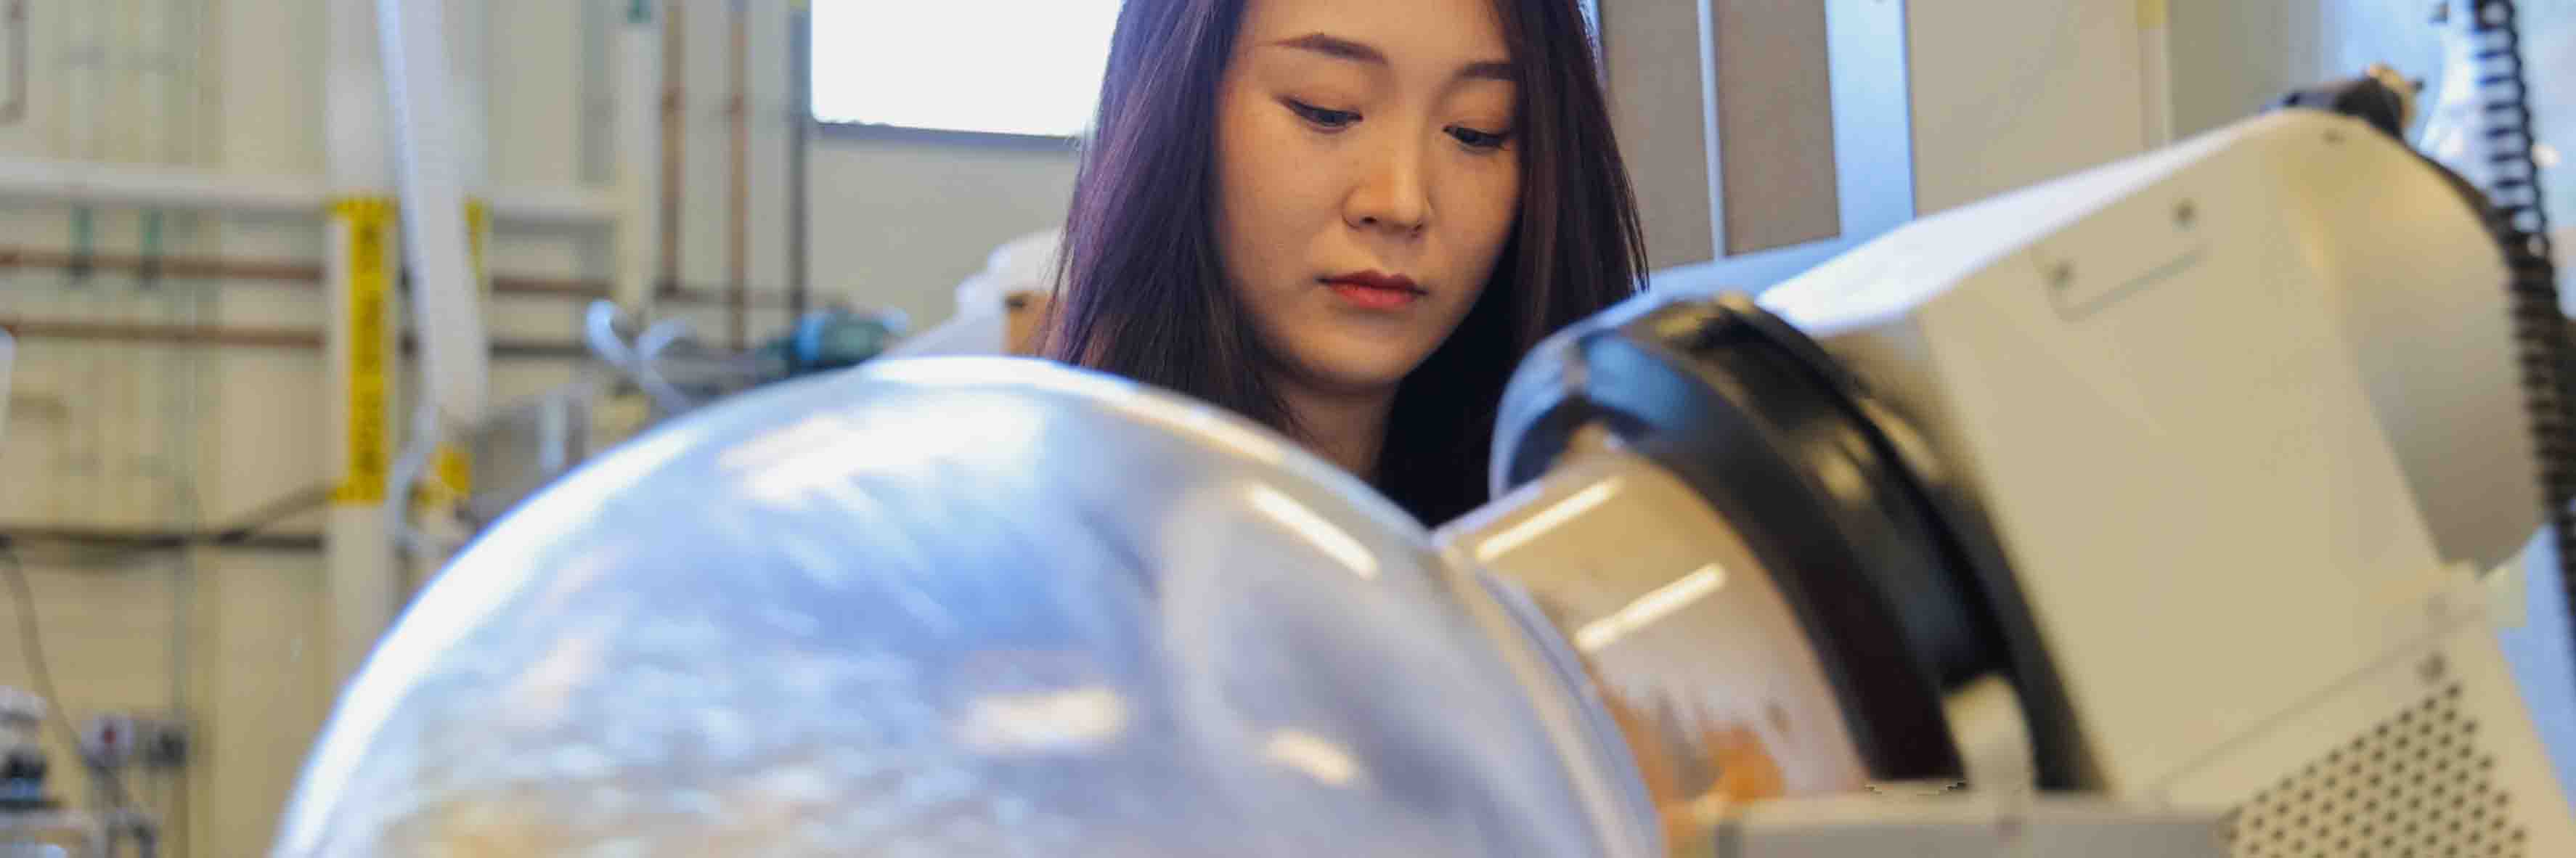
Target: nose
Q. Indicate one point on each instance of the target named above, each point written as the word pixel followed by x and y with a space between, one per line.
pixel 1394 196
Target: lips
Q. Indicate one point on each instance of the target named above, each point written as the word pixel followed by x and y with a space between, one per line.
pixel 1375 290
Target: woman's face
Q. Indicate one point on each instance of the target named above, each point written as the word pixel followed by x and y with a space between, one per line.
pixel 1367 179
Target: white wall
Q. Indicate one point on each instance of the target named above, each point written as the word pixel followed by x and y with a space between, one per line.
pixel 2006 95
pixel 901 218
pixel 2232 57
pixel 1651 53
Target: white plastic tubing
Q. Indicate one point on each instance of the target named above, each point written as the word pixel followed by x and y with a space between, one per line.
pixel 455 356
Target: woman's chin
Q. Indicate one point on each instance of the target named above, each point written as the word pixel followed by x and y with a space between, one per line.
pixel 1356 373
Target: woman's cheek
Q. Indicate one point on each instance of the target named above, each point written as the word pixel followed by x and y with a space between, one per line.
pixel 1493 199
pixel 1251 190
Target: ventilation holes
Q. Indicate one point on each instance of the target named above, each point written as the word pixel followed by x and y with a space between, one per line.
pixel 2405 787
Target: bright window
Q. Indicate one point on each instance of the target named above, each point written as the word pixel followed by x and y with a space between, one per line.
pixel 993 66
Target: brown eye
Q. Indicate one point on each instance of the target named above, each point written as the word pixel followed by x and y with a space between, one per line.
pixel 1333 120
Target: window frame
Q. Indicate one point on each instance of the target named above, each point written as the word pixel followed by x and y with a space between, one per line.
pixel 879 131
pixel 803 86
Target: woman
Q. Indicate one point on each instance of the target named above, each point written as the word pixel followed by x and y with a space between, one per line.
pixel 1347 219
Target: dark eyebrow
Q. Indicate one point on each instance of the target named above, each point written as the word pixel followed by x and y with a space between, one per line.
pixel 1490 70
pixel 1333 46
pixel 1341 48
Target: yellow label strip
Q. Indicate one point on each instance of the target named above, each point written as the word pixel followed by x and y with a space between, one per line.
pixel 366 291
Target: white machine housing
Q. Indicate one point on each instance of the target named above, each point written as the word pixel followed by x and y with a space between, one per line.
pixel 2258 568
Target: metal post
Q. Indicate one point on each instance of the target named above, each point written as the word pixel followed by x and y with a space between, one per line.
pixel 359 269
pixel 638 180
pixel 738 179
pixel 800 116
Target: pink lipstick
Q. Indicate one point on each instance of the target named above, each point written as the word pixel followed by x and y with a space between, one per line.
pixel 1371 290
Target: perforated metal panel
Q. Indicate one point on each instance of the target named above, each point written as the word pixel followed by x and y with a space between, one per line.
pixel 2417 785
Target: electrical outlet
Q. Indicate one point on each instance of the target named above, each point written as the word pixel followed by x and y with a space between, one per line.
pixel 117 740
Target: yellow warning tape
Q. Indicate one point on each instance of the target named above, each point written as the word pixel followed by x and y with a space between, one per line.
pixel 453 469
pixel 370 221
pixel 478 231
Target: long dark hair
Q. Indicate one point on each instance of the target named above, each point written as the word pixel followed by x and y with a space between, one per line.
pixel 1142 293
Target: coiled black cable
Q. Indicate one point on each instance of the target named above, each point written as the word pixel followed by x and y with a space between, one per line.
pixel 2521 228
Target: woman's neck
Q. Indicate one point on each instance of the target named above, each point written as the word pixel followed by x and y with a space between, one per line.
pixel 1345 428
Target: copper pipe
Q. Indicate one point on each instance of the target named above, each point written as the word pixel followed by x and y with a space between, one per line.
pixel 737 209
pixel 565 287
pixel 674 126
pixel 54 329
pixel 569 288
pixel 131 539
pixel 280 271
pixel 202 267
pixel 220 335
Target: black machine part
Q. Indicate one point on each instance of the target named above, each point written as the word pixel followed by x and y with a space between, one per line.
pixel 22 779
pixel 2521 225
pixel 2368 98
pixel 1903 606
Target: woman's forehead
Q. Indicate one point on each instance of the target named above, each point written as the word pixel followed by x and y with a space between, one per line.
pixel 1432 35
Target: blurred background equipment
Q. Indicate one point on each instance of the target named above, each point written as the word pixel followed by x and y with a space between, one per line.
pixel 33 823
pixel 120 741
pixel 259 397
pixel 999 309
pixel 829 340
pixel 22 754
pixel 2181 507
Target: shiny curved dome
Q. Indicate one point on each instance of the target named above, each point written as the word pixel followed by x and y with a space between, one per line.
pixel 955 606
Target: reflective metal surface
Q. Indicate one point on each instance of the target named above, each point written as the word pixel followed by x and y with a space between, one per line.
pixel 1698 656
pixel 958 607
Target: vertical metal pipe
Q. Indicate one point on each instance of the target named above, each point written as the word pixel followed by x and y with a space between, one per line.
pixel 637 152
pixel 800 113
pixel 2155 73
pixel 358 540
pixel 15 108
pixel 175 60
pixel 674 128
pixel 84 102
pixel 469 32
pixel 737 206
pixel 8 350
